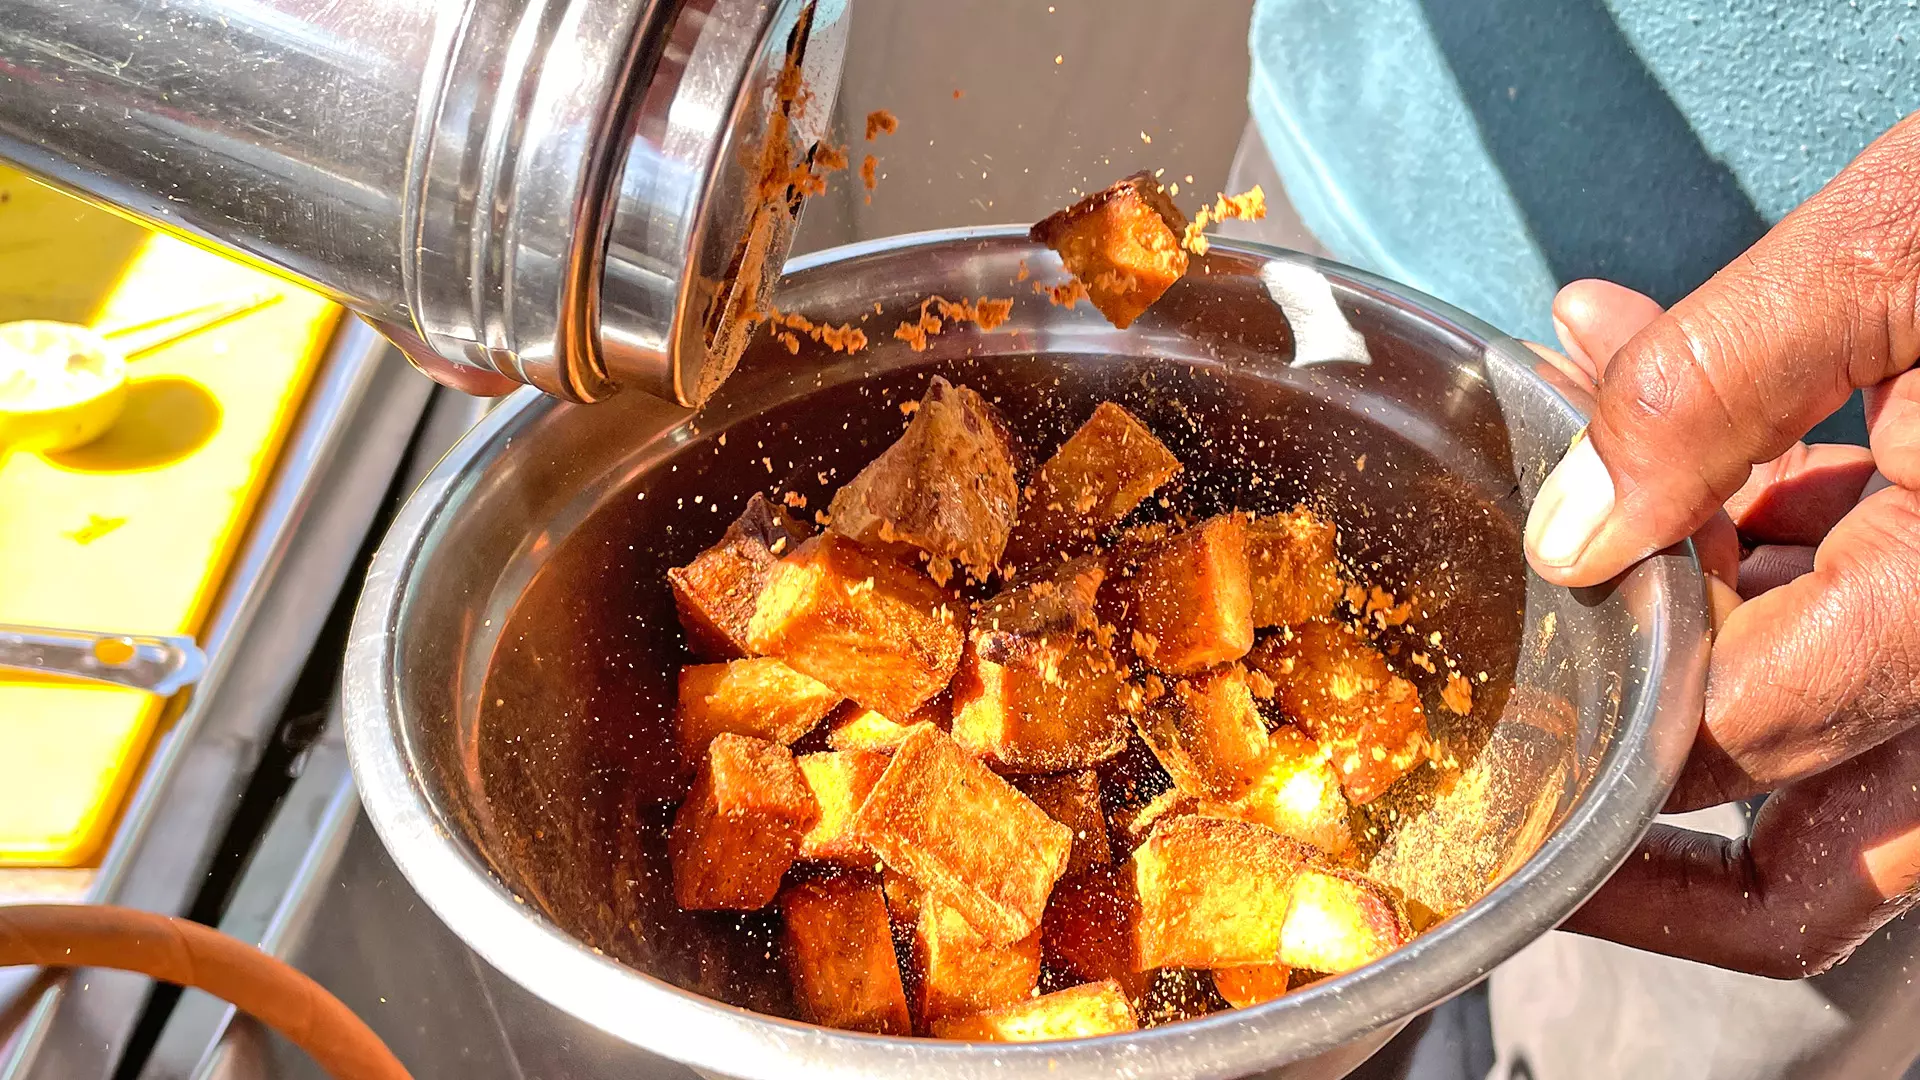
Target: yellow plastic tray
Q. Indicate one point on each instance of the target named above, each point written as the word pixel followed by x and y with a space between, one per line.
pixel 134 532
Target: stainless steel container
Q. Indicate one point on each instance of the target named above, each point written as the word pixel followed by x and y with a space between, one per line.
pixel 511 668
pixel 564 192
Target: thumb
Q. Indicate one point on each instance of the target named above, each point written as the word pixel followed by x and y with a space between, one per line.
pixel 1827 301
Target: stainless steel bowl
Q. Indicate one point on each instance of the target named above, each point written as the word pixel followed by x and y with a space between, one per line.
pixel 511 667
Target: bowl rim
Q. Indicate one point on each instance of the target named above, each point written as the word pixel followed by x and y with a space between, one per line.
pixel 1637 771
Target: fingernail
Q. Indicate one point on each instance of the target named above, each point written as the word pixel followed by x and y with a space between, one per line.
pixel 1571 506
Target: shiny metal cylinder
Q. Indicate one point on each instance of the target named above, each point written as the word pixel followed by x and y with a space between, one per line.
pixel 457 171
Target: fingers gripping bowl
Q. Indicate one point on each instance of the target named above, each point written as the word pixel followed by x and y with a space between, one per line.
pixel 511 671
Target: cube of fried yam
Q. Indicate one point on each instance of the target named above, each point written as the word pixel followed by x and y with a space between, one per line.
pixel 1108 467
pixel 1340 691
pixel 761 697
pixel 840 781
pixel 1207 733
pixel 1296 793
pixel 1338 920
pixel 1073 800
pixel 1213 893
pixel 904 897
pixel 1136 825
pixel 873 628
pixel 740 827
pixel 964 835
pixel 840 958
pixel 1123 244
pixel 1252 984
pixel 858 728
pixel 961 972
pixel 1089 930
pixel 1193 598
pixel 715 593
pixel 947 487
pixel 1052 598
pixel 1080 1012
pixel 1039 704
pixel 1296 575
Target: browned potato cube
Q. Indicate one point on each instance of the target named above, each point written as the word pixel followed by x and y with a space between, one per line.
pixel 1252 984
pixel 761 697
pixel 1296 794
pixel 1123 244
pixel 740 827
pixel 1296 576
pixel 840 781
pixel 1090 928
pixel 840 959
pixel 874 629
pixel 964 835
pixel 1338 920
pixel 1080 1012
pixel 1193 598
pixel 1213 893
pixel 1097 477
pixel 1340 691
pixel 1208 734
pixel 961 972
pixel 1136 826
pixel 1039 704
pixel 857 728
pixel 903 896
pixel 715 593
pixel 946 487
pixel 1073 800
pixel 1052 599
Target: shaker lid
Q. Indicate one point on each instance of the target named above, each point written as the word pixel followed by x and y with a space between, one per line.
pixel 704 205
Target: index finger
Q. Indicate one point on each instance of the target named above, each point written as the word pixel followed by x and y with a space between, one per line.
pixel 1826 302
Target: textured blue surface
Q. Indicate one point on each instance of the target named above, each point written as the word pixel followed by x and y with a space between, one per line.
pixel 1489 150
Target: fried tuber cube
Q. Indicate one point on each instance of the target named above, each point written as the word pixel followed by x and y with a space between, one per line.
pixel 761 697
pixel 1123 244
pixel 1340 691
pixel 839 781
pixel 961 972
pixel 715 593
pixel 857 728
pixel 740 827
pixel 840 958
pixel 1207 733
pixel 1338 920
pixel 1251 984
pixel 1073 800
pixel 947 487
pixel 964 835
pixel 1295 793
pixel 1080 1012
pixel 1213 893
pixel 1058 598
pixel 872 628
pixel 1108 467
pixel 1192 598
pixel 1089 930
pixel 1039 704
pixel 1296 575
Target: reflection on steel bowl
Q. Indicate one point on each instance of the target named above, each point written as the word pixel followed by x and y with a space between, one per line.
pixel 512 668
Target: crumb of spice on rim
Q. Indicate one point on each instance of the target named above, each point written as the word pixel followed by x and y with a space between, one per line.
pixel 986 313
pixel 1249 205
pixel 869 173
pixel 788 325
pixel 1066 294
pixel 881 122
